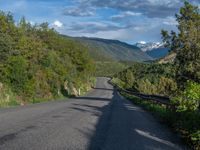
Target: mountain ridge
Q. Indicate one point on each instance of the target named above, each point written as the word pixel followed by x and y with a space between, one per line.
pixel 113 49
pixel 154 49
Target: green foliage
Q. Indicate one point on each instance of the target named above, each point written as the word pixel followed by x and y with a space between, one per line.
pixel 6 44
pixel 189 99
pixel 36 61
pixel 186 44
pixel 108 69
pixel 167 86
pixel 188 124
pixel 149 78
pixel 118 82
pixel 195 137
pixel 129 79
pixel 7 97
pixel 17 73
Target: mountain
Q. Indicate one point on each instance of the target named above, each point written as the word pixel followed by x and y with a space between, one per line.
pixel 155 50
pixel 158 52
pixel 148 46
pixel 104 49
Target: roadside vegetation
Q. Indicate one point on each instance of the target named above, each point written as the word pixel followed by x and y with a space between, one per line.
pixel 180 79
pixel 109 68
pixel 148 78
pixel 37 64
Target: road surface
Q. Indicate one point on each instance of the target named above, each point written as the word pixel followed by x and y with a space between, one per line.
pixel 102 120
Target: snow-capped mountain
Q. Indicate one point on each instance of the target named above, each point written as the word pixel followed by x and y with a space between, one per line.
pixel 148 46
pixel 155 50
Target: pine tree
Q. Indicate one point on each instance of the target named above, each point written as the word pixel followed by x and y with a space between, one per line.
pixel 186 44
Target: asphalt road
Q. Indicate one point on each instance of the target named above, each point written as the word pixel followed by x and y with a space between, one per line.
pixel 102 120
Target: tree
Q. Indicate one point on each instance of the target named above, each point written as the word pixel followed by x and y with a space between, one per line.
pixel 186 44
pixel 36 61
pixel 129 79
pixel 18 73
pixel 6 45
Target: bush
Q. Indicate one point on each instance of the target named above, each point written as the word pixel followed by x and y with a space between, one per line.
pixel 149 78
pixel 189 99
pixel 118 82
pixel 17 73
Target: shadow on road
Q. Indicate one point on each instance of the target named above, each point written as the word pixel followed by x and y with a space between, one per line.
pixel 93 98
pixel 122 126
pixel 103 89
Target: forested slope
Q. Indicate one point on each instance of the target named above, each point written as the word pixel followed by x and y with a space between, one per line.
pixel 36 63
pixel 104 49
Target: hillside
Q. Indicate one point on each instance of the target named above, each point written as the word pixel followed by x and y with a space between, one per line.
pixel 168 59
pixel 37 64
pixel 103 49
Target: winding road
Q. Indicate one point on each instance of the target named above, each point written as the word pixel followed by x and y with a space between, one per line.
pixel 101 120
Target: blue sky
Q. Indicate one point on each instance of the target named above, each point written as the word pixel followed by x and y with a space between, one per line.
pixel 126 20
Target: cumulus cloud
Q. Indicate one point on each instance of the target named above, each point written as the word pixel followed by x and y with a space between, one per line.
pixel 130 34
pixel 129 17
pixel 125 14
pixel 78 11
pixel 149 29
pixel 170 21
pixel 151 8
pixel 57 24
pixel 93 27
pixel 129 20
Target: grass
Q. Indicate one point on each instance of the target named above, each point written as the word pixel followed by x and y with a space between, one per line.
pixel 8 103
pixel 157 110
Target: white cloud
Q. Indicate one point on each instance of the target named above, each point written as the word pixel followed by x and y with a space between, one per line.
pixel 130 13
pixel 126 14
pixel 81 11
pixel 94 27
pixel 170 21
pixel 58 24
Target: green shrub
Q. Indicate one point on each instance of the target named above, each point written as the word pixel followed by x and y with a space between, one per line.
pixel 17 73
pixel 195 137
pixel 149 78
pixel 7 97
pixel 189 99
pixel 118 82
